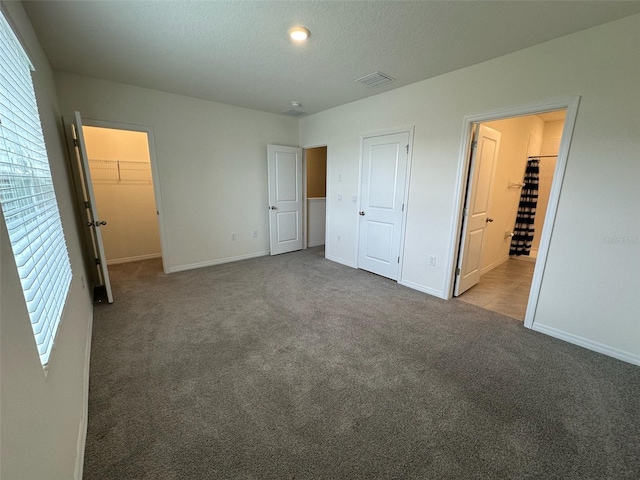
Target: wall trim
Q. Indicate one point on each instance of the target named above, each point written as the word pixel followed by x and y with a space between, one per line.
pixel 588 344
pixel 423 289
pixel 315 244
pixel 341 261
pixel 495 264
pixel 193 266
pixel 137 258
pixel 82 428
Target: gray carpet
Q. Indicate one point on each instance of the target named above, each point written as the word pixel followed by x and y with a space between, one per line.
pixel 295 367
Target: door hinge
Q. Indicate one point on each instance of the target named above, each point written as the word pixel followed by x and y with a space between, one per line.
pixel 466 212
pixel 474 144
pixel 403 207
pixel 407 148
pixel 87 205
pixel 97 261
pixel 457 271
pixel 398 259
pixel 76 143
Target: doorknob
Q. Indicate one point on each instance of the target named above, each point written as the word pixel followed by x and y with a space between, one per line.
pixel 361 214
pixel 489 219
pixel 273 207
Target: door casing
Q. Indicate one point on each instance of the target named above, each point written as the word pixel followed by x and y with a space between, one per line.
pixel 155 176
pixel 569 104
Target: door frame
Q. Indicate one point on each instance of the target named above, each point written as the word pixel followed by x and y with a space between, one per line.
pixel 155 174
pixel 570 104
pixel 405 199
pixel 305 213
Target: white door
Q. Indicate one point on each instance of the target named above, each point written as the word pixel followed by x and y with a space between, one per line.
pixel 384 172
pixel 91 219
pixel 285 198
pixel 483 158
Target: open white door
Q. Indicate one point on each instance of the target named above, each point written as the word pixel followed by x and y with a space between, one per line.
pixel 91 219
pixel 484 154
pixel 285 198
pixel 384 171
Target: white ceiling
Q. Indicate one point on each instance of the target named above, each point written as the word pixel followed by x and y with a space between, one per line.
pixel 238 52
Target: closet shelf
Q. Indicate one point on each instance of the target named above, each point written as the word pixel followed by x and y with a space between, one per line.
pixel 120 171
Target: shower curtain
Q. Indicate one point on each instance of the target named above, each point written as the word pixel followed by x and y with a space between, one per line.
pixel 523 230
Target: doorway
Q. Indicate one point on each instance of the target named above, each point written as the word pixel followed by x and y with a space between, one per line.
pixel 316 196
pixel 518 186
pixel 120 165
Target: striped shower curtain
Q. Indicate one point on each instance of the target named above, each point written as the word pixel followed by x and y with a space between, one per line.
pixel 523 230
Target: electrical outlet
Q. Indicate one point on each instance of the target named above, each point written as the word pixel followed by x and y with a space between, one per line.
pixel 255 234
pixel 233 236
pixel 432 260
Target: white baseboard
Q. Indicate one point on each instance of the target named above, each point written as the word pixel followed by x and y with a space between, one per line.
pixel 423 289
pixel 82 429
pixel 315 244
pixel 588 344
pixel 341 261
pixel 138 258
pixel 193 266
pixel 495 264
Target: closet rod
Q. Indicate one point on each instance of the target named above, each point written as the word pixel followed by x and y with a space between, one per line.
pixel 543 156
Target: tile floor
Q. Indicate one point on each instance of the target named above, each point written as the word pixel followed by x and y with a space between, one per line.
pixel 505 289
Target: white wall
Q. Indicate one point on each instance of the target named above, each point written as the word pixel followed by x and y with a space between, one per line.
pixel 124 194
pixel 589 292
pixel 43 417
pixel 212 164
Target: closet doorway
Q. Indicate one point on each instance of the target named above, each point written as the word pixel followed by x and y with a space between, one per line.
pixel 513 182
pixel 315 174
pixel 120 161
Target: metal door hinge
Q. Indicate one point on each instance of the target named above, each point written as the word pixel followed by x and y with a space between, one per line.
pixel 76 143
pixel 87 205
pixel 403 207
pixel 97 261
pixel 398 259
pixel 466 212
pixel 474 144
pixel 407 148
pixel 457 271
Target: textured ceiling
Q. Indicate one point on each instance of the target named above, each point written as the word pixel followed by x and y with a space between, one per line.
pixel 238 52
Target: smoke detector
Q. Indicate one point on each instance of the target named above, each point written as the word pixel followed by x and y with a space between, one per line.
pixel 293 111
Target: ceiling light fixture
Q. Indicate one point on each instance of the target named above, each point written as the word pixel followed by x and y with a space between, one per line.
pixel 299 34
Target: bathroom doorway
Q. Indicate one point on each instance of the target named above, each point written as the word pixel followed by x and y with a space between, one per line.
pixel 511 174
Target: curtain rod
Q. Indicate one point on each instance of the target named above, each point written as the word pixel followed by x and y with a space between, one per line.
pixel 543 156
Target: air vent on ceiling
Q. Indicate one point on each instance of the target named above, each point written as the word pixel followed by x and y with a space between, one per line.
pixel 376 79
pixel 294 113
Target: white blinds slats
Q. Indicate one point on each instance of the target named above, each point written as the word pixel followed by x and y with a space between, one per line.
pixel 28 198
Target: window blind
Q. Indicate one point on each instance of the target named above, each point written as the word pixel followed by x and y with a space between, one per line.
pixel 27 196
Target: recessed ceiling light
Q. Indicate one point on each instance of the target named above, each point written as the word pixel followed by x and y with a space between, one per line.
pixel 299 34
